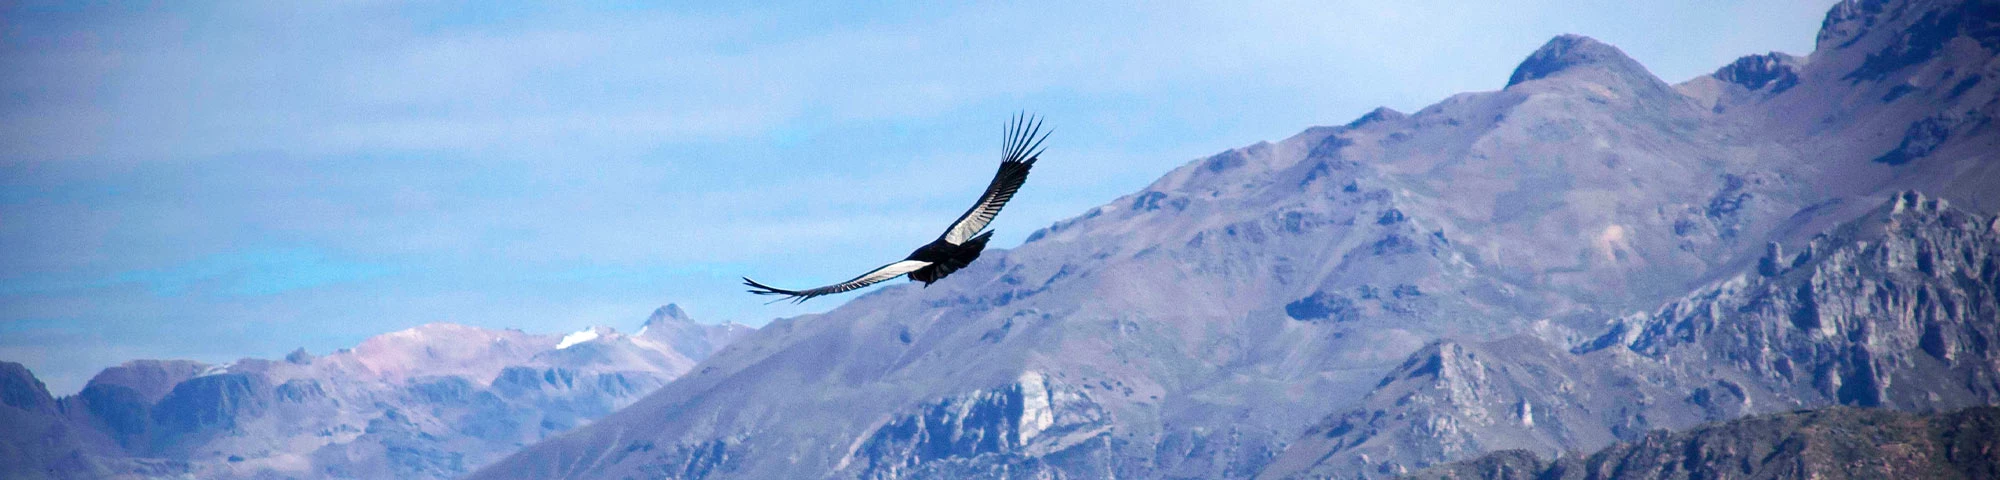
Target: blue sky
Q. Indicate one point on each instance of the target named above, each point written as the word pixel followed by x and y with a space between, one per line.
pixel 220 180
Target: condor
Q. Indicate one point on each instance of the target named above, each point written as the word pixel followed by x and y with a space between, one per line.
pixel 960 244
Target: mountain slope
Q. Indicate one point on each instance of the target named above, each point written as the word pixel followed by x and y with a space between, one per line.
pixel 1195 329
pixel 1830 443
pixel 1890 310
pixel 1289 273
pixel 433 401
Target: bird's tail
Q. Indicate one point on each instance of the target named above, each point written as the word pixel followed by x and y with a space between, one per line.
pixel 978 243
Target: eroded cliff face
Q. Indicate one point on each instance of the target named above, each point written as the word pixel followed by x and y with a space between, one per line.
pixel 1456 400
pixel 1034 424
pixel 1829 443
pixel 1896 309
pixel 1042 426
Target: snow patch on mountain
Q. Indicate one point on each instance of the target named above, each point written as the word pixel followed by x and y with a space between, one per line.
pixel 577 337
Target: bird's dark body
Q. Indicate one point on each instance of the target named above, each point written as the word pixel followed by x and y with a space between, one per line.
pixel 946 258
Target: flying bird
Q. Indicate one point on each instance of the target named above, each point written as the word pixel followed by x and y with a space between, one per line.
pixel 961 243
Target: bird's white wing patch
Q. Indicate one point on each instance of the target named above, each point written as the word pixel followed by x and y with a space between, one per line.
pixel 1022 149
pixel 886 272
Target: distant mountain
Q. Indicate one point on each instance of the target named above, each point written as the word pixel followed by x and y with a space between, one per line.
pixel 1200 327
pixel 1830 443
pixel 435 401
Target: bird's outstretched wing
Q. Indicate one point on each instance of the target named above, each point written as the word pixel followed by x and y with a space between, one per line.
pixel 1022 148
pixel 884 273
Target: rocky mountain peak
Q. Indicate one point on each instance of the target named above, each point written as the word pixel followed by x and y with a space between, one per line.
pixel 151 379
pixel 1776 70
pixel 1379 114
pixel 1848 20
pixel 1569 52
pixel 300 357
pixel 1916 35
pixel 669 313
pixel 20 389
pixel 673 326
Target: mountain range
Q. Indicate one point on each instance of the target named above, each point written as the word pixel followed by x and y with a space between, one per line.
pixel 1586 258
pixel 433 401
pixel 1580 257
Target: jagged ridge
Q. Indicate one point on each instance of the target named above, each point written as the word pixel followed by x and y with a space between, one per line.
pixel 1891 310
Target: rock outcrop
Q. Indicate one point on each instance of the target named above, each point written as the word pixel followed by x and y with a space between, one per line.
pixel 1036 426
pixel 1893 309
pixel 1828 443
